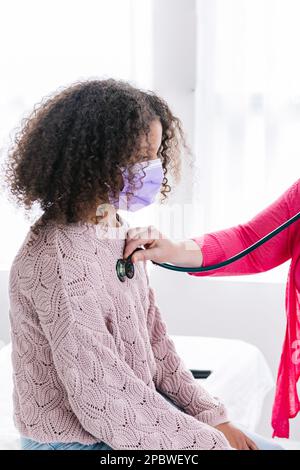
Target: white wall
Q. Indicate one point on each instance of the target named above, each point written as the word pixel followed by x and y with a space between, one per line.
pixel 174 70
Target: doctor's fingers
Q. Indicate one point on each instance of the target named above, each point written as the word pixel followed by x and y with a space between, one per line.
pixel 145 255
pixel 140 236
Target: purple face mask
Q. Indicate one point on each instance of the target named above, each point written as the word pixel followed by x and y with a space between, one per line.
pixel 149 176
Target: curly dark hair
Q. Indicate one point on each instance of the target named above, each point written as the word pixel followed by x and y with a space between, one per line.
pixel 68 154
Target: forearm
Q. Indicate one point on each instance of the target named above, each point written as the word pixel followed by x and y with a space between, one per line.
pixel 187 253
pixel 184 253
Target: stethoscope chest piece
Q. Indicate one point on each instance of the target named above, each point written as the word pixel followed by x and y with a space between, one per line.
pixel 125 268
pixel 120 268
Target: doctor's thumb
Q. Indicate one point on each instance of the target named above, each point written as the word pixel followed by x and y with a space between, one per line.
pixel 145 255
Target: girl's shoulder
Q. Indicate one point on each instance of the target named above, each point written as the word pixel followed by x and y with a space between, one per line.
pixel 76 247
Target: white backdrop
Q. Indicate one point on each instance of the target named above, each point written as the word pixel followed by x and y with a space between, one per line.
pixel 50 44
pixel 247 136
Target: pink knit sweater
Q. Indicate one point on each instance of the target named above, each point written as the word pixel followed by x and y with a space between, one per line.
pixel 90 352
pixel 223 244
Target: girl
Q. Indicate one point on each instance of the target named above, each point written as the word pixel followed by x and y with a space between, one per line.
pixel 93 365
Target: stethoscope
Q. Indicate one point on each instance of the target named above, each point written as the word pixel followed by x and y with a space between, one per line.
pixel 125 268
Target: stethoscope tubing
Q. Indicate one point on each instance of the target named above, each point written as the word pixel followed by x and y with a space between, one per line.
pixel 233 258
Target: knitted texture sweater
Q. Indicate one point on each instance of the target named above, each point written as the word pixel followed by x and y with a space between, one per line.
pixel 90 353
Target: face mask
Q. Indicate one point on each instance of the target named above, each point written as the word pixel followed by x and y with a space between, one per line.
pixel 148 178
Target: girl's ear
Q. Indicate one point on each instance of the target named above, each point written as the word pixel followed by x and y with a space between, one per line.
pixel 102 211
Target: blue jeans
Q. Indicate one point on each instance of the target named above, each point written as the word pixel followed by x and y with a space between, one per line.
pixel 28 444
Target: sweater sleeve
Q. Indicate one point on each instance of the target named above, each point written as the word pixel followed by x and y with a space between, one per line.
pixel 109 400
pixel 174 379
pixel 221 245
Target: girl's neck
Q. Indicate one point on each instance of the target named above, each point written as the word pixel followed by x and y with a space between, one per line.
pixel 105 214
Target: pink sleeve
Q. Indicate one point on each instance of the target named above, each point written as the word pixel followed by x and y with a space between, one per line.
pixel 175 380
pixel 109 400
pixel 221 245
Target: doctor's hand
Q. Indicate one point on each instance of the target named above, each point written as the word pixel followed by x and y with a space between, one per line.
pixel 236 438
pixel 160 249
